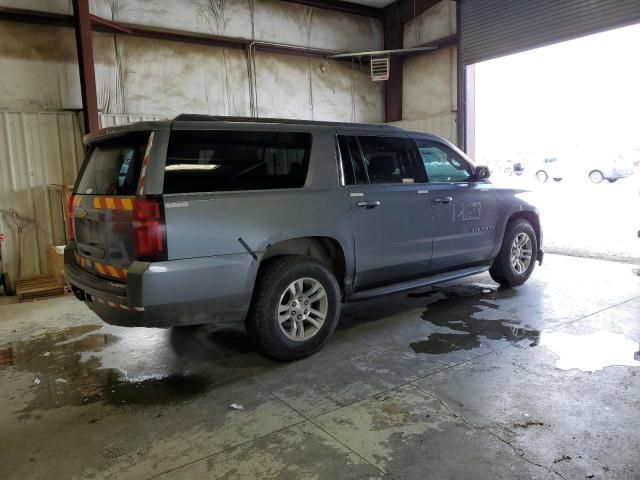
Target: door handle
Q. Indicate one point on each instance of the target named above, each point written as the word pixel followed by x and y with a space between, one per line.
pixel 443 199
pixel 369 204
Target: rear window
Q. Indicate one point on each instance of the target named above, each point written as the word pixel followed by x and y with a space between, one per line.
pixel 210 161
pixel 113 166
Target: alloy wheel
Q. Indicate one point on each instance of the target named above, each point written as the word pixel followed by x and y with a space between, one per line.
pixel 302 309
pixel 521 253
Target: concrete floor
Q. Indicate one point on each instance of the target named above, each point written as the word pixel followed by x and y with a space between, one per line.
pixel 462 381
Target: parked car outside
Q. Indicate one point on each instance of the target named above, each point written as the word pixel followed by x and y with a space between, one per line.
pixel 275 223
pixel 596 167
pixel 517 168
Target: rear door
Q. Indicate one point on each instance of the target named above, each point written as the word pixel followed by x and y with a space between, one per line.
pixel 103 204
pixel 464 211
pixel 390 208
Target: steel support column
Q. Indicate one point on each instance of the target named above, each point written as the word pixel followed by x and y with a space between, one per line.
pixel 393 39
pixel 461 117
pixel 82 22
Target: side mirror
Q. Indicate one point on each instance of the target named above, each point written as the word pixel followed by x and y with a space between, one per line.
pixel 482 173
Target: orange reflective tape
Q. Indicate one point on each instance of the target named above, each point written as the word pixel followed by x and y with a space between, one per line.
pixel 127 204
pixel 77 200
pixel 113 271
pixel 100 268
pixel 110 204
pixel 96 202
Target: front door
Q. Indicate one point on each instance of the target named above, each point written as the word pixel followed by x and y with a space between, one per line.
pixel 465 213
pixel 390 209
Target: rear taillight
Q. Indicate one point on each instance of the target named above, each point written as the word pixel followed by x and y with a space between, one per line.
pixel 149 229
pixel 70 232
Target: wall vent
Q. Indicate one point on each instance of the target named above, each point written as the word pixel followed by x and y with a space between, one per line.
pixel 380 68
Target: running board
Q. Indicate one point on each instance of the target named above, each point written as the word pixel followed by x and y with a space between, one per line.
pixel 417 283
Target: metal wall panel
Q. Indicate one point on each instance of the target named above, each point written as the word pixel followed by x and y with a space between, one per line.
pixel 493 28
pixel 442 125
pixel 36 150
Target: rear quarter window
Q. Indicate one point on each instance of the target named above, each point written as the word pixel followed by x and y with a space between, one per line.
pixel 212 161
pixel 113 166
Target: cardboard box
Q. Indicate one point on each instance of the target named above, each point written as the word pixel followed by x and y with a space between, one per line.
pixel 55 262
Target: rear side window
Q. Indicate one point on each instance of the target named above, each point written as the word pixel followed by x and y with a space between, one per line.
pixel 352 162
pixel 211 161
pixel 387 160
pixel 113 166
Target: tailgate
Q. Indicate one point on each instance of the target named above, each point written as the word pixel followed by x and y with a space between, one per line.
pixel 103 204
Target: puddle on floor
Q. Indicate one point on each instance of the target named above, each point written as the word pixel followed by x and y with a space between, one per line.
pixel 455 310
pixel 591 352
pixel 67 371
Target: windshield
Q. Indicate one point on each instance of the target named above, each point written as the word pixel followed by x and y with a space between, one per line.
pixel 113 166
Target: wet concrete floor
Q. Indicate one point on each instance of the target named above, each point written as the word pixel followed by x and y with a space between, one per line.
pixel 466 380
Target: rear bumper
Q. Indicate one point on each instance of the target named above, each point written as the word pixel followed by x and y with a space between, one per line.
pixel 166 294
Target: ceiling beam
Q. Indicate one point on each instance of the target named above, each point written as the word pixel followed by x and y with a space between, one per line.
pixel 36 17
pixel 99 24
pixel 341 6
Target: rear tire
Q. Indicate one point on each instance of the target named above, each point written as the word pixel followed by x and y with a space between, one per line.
pixel 283 327
pixel 511 268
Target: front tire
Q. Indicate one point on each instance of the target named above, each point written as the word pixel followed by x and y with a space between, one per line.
pixel 541 176
pixel 515 263
pixel 596 176
pixel 295 308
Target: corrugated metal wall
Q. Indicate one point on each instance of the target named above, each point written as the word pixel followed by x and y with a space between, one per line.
pixel 492 28
pixel 442 125
pixel 36 150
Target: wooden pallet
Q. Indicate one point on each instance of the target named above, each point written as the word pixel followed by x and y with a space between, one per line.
pixel 39 287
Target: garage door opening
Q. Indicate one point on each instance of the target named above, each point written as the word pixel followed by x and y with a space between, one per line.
pixel 562 121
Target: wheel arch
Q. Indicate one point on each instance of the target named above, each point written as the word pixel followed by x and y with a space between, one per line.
pixel 327 250
pixel 529 215
pixel 532 218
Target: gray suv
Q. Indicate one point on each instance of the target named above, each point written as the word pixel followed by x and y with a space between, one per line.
pixel 275 223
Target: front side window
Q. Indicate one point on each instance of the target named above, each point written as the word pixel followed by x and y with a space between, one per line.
pixel 211 161
pixel 387 160
pixel 442 163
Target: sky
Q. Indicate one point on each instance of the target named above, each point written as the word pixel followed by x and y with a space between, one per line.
pixel 582 93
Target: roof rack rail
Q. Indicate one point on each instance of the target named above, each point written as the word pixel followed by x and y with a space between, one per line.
pixel 190 117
